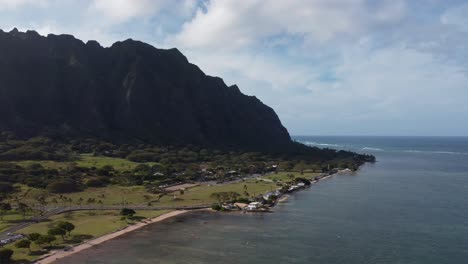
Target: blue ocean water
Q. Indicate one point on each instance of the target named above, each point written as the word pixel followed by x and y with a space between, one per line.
pixel 411 206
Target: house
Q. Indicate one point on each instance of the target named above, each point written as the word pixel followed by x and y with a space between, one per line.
pixel 253 206
pixel 301 184
pixel 228 206
pixel 268 195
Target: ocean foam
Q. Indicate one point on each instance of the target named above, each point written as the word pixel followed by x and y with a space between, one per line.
pixel 372 149
pixel 436 152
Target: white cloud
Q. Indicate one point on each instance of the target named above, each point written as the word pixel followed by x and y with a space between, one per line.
pixel 457 16
pixel 13 4
pixel 119 11
pixel 237 24
pixel 392 90
pixel 123 10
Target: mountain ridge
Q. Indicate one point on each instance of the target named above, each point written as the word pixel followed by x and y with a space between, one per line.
pixel 128 91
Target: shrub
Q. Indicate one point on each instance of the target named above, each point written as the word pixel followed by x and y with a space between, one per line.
pixel 62 186
pixel 95 183
pixel 127 212
pixel 216 207
pixel 243 200
pixel 24 243
pixel 5 255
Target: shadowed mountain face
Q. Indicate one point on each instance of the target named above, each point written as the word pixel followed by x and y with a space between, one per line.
pixel 130 91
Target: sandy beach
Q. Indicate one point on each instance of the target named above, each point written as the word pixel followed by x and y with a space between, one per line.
pixel 283 199
pixel 54 256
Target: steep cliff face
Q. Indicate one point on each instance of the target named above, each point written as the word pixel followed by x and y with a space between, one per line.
pixel 129 91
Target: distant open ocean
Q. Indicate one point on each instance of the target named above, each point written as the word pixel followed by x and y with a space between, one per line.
pixel 410 207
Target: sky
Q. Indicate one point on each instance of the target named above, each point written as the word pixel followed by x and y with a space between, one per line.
pixel 327 67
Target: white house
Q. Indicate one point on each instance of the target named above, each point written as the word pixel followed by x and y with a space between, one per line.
pixel 253 206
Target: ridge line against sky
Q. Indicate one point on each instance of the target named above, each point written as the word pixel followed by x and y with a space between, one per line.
pixel 333 67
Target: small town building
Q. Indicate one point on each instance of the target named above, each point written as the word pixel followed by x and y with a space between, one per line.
pixel 254 206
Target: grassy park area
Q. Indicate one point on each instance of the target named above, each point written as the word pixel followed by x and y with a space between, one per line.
pixel 137 195
pixel 87 161
pixel 88 225
pixel 286 175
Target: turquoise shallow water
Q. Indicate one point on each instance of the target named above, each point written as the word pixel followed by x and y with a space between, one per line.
pixel 409 207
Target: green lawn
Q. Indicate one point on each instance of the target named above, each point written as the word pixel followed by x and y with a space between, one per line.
pixel 137 195
pixel 87 161
pixel 201 194
pixel 88 224
pixel 110 195
pixel 282 176
pixel 9 219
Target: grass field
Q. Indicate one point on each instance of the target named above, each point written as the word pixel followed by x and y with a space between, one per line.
pixel 201 194
pixel 88 224
pixel 9 219
pixel 283 176
pixel 110 195
pixel 88 161
pixel 137 195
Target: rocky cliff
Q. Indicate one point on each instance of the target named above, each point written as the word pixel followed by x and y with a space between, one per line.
pixel 129 91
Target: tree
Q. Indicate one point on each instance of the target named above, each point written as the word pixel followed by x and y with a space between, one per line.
pixel 142 169
pixel 95 183
pixel 23 208
pixel 34 237
pixel 24 243
pixel 4 207
pixel 5 255
pixel 216 196
pixel 56 231
pixel 216 207
pixel 67 226
pixel 62 186
pixel 223 197
pixel 127 212
pixel 46 239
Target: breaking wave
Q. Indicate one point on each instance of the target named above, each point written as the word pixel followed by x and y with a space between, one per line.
pixel 372 149
pixel 436 152
pixel 322 144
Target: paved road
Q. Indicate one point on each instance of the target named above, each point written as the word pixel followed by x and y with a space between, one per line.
pixel 60 210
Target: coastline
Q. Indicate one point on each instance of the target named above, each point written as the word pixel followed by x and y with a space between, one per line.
pixel 54 256
pixel 57 255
